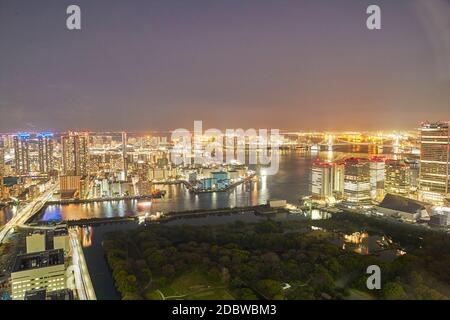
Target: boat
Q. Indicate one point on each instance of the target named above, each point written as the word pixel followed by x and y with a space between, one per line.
pixel 315 147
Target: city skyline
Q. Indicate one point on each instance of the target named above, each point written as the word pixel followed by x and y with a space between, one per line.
pixel 189 126
pixel 230 64
pixel 228 150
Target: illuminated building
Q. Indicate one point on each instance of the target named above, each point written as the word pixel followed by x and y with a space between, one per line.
pixel 414 168
pixel 2 167
pixel 124 155
pixel 220 179
pixel 45 149
pixel 403 208
pixel 321 180
pixel 2 158
pixel 440 216
pixel 357 185
pixel 338 179
pixel 21 153
pixel 42 294
pixel 142 188
pixel 73 186
pixel 377 177
pixel 39 270
pixel 398 177
pixel 434 182
pixel 75 154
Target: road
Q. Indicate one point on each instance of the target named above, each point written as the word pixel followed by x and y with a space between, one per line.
pixel 82 278
pixel 83 281
pixel 25 213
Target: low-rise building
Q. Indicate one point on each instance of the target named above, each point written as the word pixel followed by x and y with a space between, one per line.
pixel 39 270
pixel 274 203
pixel 403 208
pixel 440 217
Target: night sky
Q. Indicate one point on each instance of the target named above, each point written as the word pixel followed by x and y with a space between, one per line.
pixel 160 65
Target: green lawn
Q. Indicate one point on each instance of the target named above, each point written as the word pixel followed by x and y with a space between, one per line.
pixel 211 294
pixel 196 286
pixel 359 295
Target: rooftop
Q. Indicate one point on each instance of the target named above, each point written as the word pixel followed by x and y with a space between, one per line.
pixel 38 260
pixel 403 204
pixel 36 294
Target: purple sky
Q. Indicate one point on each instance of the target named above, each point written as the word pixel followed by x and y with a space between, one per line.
pixel 157 65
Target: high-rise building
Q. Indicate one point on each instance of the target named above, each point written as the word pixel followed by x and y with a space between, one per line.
pixel 45 150
pixel 2 157
pixel 377 178
pixel 321 181
pixel 21 153
pixel 338 179
pixel 124 155
pixel 398 177
pixel 357 182
pixel 414 168
pixel 2 167
pixel 75 154
pixel 434 181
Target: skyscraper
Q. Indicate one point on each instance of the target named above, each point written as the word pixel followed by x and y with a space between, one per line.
pixel 434 182
pixel 45 149
pixel 398 177
pixel 21 153
pixel 75 154
pixel 357 182
pixel 2 166
pixel 2 157
pixel 377 167
pixel 124 155
pixel 321 181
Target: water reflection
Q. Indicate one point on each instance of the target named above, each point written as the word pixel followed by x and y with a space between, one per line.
pixel 290 183
pixel 364 243
pixel 358 242
pixel 85 234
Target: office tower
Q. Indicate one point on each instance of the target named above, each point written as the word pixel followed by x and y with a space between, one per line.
pixel 21 153
pixel 2 157
pixel 338 179
pixel 75 154
pixel 124 155
pixel 377 178
pixel 398 177
pixel 39 270
pixel 434 182
pixel 357 182
pixel 414 168
pixel 321 181
pixel 45 151
pixel 2 166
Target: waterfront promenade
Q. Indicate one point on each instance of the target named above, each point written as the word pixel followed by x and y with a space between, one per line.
pixel 83 281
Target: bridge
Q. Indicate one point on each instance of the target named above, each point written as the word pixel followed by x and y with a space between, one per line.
pixel 329 140
pixel 26 213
